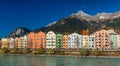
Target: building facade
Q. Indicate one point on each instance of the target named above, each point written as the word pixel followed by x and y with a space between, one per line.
pixel 118 41
pixel 11 43
pixel 102 40
pixel 85 39
pixel 31 40
pixel 65 41
pixel 41 39
pixel 21 44
pixel 17 43
pixel 59 41
pixel 5 43
pixel 0 43
pixel 113 41
pixel 50 40
pixel 25 42
pixel 91 42
pixel 74 41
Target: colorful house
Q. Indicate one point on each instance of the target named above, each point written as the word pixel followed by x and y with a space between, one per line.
pixel 31 37
pixel 41 40
pixel 5 42
pixel 74 41
pixel 50 40
pixel 91 42
pixel 85 39
pixel 102 40
pixel 113 41
pixel 21 44
pixel 59 41
pixel 17 43
pixel 11 43
pixel 65 41
pixel 0 43
pixel 25 41
pixel 118 41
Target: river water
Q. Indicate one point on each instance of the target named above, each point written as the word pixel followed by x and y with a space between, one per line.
pixel 11 60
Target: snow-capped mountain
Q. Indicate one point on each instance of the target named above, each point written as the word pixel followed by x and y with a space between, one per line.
pixel 80 20
pixel 100 16
pixel 81 15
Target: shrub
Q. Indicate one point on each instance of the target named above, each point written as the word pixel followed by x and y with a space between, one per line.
pixel 38 51
pixel 13 50
pixel 95 52
pixel 84 52
pixel 51 51
pixel 59 51
pixel 4 50
pixel 25 50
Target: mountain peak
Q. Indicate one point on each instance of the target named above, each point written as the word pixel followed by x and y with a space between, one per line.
pixel 98 17
pixel 21 31
pixel 76 23
pixel 81 15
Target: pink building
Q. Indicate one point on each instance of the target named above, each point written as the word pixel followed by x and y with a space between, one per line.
pixel 17 42
pixel 102 40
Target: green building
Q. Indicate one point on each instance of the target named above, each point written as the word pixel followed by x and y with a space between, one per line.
pixel 59 41
pixel 113 41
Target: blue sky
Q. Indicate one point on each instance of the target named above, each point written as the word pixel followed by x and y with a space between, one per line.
pixel 34 14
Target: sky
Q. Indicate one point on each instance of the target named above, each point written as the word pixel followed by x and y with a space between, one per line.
pixel 34 14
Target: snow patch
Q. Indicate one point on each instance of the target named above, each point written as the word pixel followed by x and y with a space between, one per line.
pixel 51 23
pixel 101 17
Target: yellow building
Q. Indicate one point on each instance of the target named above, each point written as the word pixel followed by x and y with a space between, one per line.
pixel 4 43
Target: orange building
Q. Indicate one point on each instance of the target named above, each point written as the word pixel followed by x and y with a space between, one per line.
pixel 31 40
pixel 65 41
pixel 36 40
pixel 40 40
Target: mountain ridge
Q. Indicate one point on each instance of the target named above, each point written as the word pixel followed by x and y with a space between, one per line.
pixel 80 21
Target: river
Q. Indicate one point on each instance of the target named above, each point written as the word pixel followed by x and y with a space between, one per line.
pixel 21 60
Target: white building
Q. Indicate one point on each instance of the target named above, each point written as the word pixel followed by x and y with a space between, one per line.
pixel 50 40
pixel 74 41
pixel 25 41
pixel 113 41
pixel 11 43
pixel 118 41
pixel 91 42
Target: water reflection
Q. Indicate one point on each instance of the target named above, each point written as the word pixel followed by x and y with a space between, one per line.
pixel 56 61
